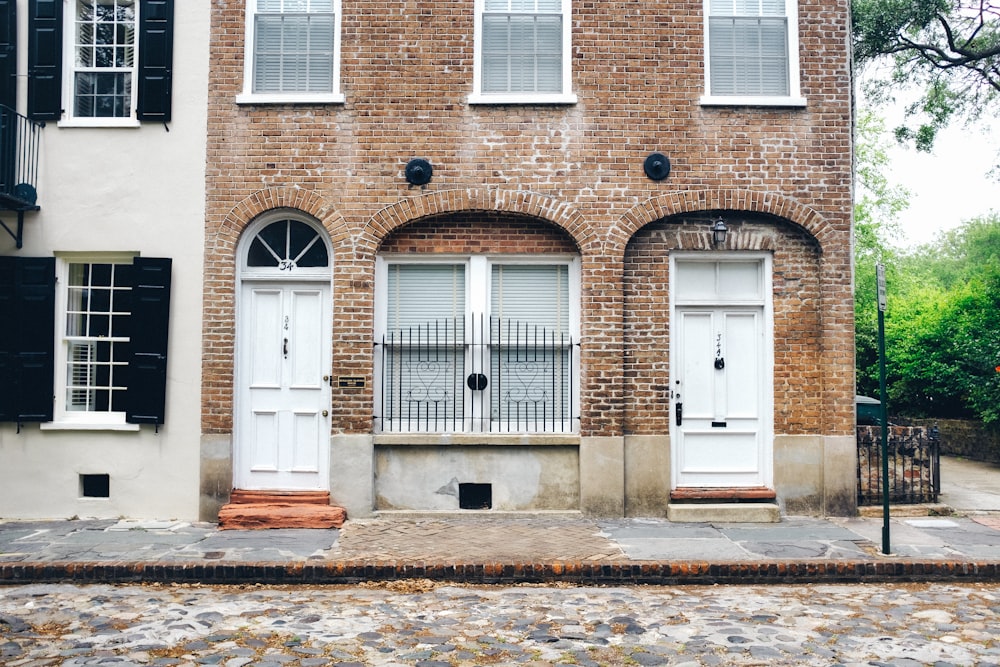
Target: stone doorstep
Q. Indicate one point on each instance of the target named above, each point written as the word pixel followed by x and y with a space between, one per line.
pixel 742 512
pixel 261 510
pixel 731 494
pixel 244 496
pixel 262 516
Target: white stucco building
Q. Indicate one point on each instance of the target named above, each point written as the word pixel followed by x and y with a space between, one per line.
pixel 101 268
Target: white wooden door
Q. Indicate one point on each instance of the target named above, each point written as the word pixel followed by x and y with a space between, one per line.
pixel 718 397
pixel 284 391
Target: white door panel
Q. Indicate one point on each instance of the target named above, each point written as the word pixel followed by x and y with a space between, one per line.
pixel 720 380
pixel 717 384
pixel 282 405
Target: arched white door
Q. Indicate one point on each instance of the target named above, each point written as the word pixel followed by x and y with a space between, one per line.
pixel 283 359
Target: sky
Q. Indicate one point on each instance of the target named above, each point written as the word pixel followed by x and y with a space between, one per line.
pixel 948 186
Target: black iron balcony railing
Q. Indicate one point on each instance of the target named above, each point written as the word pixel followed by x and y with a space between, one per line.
pixel 19 146
pixel 491 375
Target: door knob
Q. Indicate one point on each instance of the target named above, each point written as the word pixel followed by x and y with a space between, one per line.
pixel 326 413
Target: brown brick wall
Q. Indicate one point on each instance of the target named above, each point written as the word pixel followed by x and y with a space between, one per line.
pixel 406 71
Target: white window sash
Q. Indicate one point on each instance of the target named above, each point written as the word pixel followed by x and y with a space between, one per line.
pixel 742 89
pixel 71 68
pixel 523 84
pixel 486 288
pixel 257 17
pixel 64 417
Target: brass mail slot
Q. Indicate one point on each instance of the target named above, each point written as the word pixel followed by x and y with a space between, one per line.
pixel 350 382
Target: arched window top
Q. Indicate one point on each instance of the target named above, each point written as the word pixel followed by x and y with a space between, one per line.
pixel 287 245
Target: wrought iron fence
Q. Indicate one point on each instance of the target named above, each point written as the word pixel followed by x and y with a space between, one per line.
pixel 481 375
pixel 19 143
pixel 914 454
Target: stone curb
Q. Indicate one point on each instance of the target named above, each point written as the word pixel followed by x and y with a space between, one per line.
pixel 623 573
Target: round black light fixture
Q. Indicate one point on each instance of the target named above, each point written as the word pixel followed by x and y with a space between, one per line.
pixel 657 166
pixel 418 171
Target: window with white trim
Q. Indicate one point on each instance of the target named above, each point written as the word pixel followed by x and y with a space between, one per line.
pixel 292 51
pixel 477 345
pixel 104 59
pixel 752 52
pixel 522 52
pixel 95 338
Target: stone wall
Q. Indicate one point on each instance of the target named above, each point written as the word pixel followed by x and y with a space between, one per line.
pixel 966 438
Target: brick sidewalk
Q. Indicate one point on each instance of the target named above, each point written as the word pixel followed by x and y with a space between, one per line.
pixel 476 541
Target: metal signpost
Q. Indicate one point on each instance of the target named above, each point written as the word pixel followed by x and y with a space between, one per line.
pixel 880 274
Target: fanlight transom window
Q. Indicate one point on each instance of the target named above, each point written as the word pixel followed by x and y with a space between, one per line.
pixel 287 245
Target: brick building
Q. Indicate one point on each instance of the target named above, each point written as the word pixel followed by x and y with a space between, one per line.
pixel 530 255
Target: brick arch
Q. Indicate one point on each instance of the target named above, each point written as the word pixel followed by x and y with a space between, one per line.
pixel 689 201
pixel 521 202
pixel 227 235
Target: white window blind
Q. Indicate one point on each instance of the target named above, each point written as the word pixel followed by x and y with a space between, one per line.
pixel 749 47
pixel 533 295
pixel 294 46
pixel 421 294
pixel 522 46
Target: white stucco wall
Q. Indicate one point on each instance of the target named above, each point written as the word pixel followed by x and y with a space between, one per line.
pixel 136 190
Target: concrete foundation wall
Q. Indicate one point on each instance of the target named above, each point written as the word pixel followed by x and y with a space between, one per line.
pixel 521 477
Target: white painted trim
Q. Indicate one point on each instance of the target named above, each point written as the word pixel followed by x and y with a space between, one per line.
pixel 478 300
pixel 69 76
pixel 248 96
pixel 63 419
pixel 794 97
pixel 766 429
pixel 245 276
pixel 564 97
pixel 751 101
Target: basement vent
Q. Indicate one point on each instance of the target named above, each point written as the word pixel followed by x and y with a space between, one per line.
pixel 95 486
pixel 475 496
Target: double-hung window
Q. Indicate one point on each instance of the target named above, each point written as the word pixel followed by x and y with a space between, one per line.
pixel 522 52
pixel 752 52
pixel 100 62
pixel 95 340
pixel 104 58
pixel 91 353
pixel 477 345
pixel 292 51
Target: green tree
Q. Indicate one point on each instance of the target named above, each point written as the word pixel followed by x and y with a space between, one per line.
pixel 878 203
pixel 943 326
pixel 948 50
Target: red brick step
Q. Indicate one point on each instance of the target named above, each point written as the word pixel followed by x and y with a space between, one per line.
pixel 261 510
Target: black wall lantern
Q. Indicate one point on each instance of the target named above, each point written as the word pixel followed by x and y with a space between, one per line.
pixel 657 166
pixel 418 171
pixel 719 231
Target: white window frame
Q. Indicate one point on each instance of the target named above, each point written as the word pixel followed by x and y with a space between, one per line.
pixel 62 417
pixel 478 299
pixel 248 96
pixel 70 69
pixel 564 97
pixel 794 97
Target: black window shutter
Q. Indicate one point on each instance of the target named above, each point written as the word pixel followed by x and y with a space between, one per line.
pixel 45 20
pixel 8 53
pixel 27 304
pixel 146 395
pixel 156 51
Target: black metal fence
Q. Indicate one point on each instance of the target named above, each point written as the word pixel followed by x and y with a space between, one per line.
pixel 914 457
pixel 481 375
pixel 19 145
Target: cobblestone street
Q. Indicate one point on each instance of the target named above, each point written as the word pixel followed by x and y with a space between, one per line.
pixel 436 625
